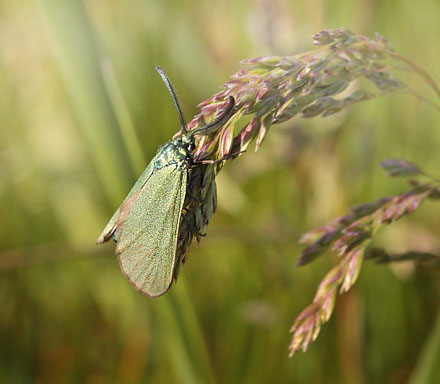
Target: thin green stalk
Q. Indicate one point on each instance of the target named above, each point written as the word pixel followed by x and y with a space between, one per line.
pixel 428 367
pixel 420 71
pixel 186 351
pixel 125 121
pixel 73 41
pixel 191 332
pixel 422 98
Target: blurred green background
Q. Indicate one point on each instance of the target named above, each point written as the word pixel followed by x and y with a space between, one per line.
pixel 82 113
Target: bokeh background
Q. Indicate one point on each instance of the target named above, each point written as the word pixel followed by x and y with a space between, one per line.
pixel 83 111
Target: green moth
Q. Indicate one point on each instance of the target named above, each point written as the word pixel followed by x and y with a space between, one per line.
pixel 146 225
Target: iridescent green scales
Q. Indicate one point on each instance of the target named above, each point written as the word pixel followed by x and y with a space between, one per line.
pixel 146 221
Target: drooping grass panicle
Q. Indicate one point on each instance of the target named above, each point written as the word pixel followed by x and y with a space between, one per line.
pixel 274 89
pixel 349 237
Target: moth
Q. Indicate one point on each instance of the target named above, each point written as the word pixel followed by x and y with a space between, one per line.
pixel 146 225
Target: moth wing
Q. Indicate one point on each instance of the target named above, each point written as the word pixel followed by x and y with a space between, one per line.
pixel 110 228
pixel 147 240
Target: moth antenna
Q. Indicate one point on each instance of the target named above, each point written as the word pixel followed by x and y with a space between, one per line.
pixel 173 92
pixel 224 117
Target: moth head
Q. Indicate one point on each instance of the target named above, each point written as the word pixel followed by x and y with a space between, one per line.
pixel 188 141
pixel 187 138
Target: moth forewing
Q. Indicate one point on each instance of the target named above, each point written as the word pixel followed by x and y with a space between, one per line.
pixel 109 229
pixel 126 209
pixel 147 241
pixel 111 226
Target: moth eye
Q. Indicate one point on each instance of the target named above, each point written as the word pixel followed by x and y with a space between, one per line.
pixel 191 146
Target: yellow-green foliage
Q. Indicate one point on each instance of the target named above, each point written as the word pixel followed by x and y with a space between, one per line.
pixel 83 111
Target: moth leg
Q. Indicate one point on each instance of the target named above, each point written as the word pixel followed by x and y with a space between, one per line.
pixel 190 221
